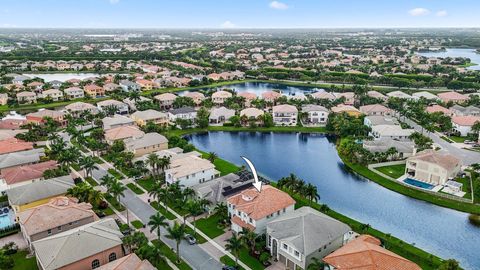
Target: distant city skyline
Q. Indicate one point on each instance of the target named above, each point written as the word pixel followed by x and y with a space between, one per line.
pixel 228 14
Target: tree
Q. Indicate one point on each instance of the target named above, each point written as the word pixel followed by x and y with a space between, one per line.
pixel 152 161
pixel 234 245
pixel 194 208
pixel 311 193
pixel 135 241
pixel 69 156
pixel 176 233
pixel 316 264
pixel 156 222
pixel 6 262
pixel 117 189
pixel 212 156
pixel 88 164
pixel 202 118
pixel 449 265
pixel 249 239
pixel 107 180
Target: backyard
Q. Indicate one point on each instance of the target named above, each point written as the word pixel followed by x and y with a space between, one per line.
pixel 394 171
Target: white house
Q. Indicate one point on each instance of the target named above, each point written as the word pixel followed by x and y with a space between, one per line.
pixel 186 113
pixel 285 115
pixel 433 167
pixel 121 107
pixel 74 92
pixel 394 132
pixel 190 170
pixel 316 114
pixel 464 124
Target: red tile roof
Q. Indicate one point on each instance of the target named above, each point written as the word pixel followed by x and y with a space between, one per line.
pixel 14 145
pixel 27 172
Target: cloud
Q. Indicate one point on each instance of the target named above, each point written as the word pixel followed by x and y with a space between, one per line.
pixel 419 12
pixel 227 24
pixel 278 5
pixel 113 2
pixel 442 13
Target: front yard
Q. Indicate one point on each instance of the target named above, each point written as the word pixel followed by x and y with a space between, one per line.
pixel 22 262
pixel 394 171
pixel 210 226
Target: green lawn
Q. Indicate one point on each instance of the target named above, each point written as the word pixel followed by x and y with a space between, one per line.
pixel 458 139
pixel 91 181
pixel 467 187
pixel 229 261
pixel 134 188
pixel 394 171
pixel 137 224
pixel 113 201
pixel 115 174
pixel 22 263
pixel 245 258
pixel 200 239
pixel 162 210
pixel 170 254
pixel 209 226
pixel 146 183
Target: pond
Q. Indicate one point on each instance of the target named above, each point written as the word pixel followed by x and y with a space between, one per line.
pixel 313 157
pixel 457 52
pixel 47 77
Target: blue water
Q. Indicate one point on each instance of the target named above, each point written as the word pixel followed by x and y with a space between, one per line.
pixel 456 52
pixel 419 184
pixel 6 220
pixel 444 232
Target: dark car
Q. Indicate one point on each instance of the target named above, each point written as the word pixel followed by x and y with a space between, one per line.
pixel 190 239
pixel 228 267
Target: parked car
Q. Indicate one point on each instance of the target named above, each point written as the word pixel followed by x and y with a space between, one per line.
pixel 228 267
pixel 190 239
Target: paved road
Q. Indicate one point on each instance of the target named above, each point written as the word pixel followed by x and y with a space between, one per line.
pixel 193 254
pixel 468 157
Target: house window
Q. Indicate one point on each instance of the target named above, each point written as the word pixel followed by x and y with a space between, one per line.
pixel 59 228
pixel 112 257
pixel 49 232
pixel 285 246
pixel 95 264
pixel 297 254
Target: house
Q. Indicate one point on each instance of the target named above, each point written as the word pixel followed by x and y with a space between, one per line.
pixel 315 114
pixel 121 108
pixel 190 170
pixel 156 117
pixel 453 97
pixel 437 108
pixel 465 111
pixel 116 121
pixel 218 189
pixel 37 193
pixel 365 252
pixel 399 94
pixel 14 145
pixel 253 210
pixel 148 143
pixel 94 90
pixel 145 84
pixel 185 113
pixel 129 86
pixel 377 95
pixel 10 133
pixel 220 115
pixel 39 117
pixel 111 87
pixel 251 113
pixel 394 132
pixel 83 248
pixel 122 133
pixel 24 174
pixel 297 237
pixel 271 96
pixel 26 97
pixel 375 109
pixel 196 96
pixel 285 115
pixel 74 92
pixel 129 262
pixel 220 97
pixel 3 99
pixel 371 121
pixel 16 159
pixel 323 95
pixel 58 215
pixel 464 124
pixel 425 95
pixel 55 83
pixel 132 104
pixel 165 100
pixel 349 97
pixel 432 167
pixel 348 109
pixel 77 108
pixel 53 94
pixel 404 148
pixel 249 97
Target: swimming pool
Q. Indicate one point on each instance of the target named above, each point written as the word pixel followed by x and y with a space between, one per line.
pixel 419 184
pixel 6 219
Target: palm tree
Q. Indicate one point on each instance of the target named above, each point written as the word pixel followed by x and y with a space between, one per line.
pixel 234 245
pixel 221 209
pixel 117 189
pixel 57 146
pixel 69 156
pixel 449 265
pixel 152 161
pixel 176 233
pixel 163 163
pixel 212 156
pixel 316 264
pixel 134 96
pixel 88 164
pixel 249 239
pixel 194 208
pixel 107 181
pixel 311 193
pixel 156 222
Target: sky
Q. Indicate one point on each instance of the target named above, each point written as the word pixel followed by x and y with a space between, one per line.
pixel 238 13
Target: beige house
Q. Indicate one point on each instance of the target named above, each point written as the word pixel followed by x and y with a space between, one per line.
pixel 433 167
pixel 74 92
pixel 196 96
pixel 58 215
pixel 375 109
pixel 156 117
pixel 220 97
pixel 27 97
pixel 165 100
pixel 123 133
pixel 149 143
pixel 54 94
pixel 285 115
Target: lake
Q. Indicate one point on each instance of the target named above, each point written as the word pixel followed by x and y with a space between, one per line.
pixel 47 77
pixel 313 157
pixel 456 52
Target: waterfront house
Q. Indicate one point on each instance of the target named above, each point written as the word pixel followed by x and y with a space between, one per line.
pixel 285 115
pixel 453 97
pixel 249 97
pixel 196 96
pixel 26 97
pixel 145 84
pixel 94 90
pixel 323 95
pixel 128 86
pixel 83 248
pixel 404 148
pixel 111 87
pixel 375 109
pixel 366 252
pixel 132 104
pixel 394 132
pixel 58 215
pixel 253 210
pixel 377 95
pixel 40 116
pixel 74 92
pixel 190 170
pixel 116 121
pixel 219 97
pixel 156 117
pixel 121 108
pixel 165 100
pixel 433 167
pixel 371 121
pixel 251 113
pixel 348 109
pixel 297 237
pixel 220 115
pixel 315 114
pixel 271 96
pixel 53 94
pixel 122 133
pixel 218 189
pixel 148 143
pixel 349 97
pixel 37 193
pixel 464 124
pixel 185 113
